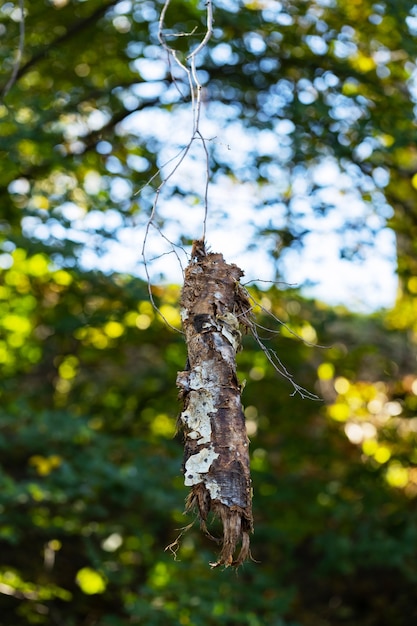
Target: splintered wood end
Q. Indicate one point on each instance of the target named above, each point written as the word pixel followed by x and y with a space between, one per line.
pixel 237 526
pixel 236 529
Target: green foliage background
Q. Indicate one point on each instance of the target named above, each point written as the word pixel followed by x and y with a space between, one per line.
pixel 91 490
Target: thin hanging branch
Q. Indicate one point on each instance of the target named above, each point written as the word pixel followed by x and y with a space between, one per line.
pixel 270 354
pixel 190 71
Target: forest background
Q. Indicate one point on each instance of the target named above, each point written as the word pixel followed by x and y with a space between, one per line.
pixel 91 489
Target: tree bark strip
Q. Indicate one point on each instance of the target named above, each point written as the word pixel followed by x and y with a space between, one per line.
pixel 216 457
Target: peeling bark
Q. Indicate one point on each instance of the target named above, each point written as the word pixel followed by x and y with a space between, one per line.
pixel 216 456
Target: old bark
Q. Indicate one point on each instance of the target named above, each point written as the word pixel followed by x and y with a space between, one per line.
pixel 216 458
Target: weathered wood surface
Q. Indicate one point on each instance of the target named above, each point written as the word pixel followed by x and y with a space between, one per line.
pixel 216 458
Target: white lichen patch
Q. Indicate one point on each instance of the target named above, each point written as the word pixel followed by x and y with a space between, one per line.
pixel 204 376
pixel 213 487
pixel 198 378
pixel 196 417
pixel 226 350
pixel 197 465
pixel 183 380
pixel 184 314
pixel 229 328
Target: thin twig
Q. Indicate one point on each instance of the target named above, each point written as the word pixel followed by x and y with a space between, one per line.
pixel 192 58
pixel 189 69
pixel 280 368
pixel 206 186
pixel 280 322
pixel 270 282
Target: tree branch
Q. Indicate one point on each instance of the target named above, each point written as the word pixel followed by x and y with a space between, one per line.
pixel 71 31
pixel 90 141
pixel 19 54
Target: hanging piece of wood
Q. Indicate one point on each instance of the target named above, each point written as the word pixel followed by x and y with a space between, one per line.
pixel 216 457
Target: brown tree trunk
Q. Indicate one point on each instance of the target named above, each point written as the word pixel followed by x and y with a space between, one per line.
pixel 216 459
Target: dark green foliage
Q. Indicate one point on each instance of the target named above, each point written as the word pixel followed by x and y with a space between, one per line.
pixel 91 476
pixel 91 489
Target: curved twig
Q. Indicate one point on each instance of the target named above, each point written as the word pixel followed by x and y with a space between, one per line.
pixel 190 70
